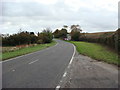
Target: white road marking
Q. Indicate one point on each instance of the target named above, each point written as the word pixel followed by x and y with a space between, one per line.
pixel 33 61
pixel 68 66
pixel 57 88
pixel 72 55
pixel 64 74
pixel 13 70
pixel 70 61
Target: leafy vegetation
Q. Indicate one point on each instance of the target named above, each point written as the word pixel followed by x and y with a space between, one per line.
pixel 19 39
pixel 75 32
pixel 96 51
pixel 75 35
pixel 61 33
pixel 111 39
pixel 26 50
pixel 25 37
pixel 45 36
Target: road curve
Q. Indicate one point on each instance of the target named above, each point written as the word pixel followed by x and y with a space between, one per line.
pixel 41 69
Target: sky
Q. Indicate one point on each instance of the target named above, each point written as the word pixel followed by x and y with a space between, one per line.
pixel 35 15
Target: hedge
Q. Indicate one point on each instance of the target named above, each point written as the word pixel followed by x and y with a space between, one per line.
pixel 111 39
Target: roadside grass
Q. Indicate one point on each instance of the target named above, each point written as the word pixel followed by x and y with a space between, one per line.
pixel 26 50
pixel 96 51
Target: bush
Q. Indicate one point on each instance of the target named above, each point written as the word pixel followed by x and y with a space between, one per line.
pixel 19 39
pixel 111 39
pixel 40 41
pixel 75 35
pixel 60 33
pixel 46 36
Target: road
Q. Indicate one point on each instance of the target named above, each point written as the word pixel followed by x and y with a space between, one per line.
pixel 41 69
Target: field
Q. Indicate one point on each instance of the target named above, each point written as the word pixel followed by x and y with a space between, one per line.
pixel 96 51
pixel 10 54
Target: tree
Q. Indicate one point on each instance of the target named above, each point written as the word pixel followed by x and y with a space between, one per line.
pixel 33 39
pixel 63 33
pixel 32 33
pixel 20 38
pixel 75 35
pixel 65 26
pixel 56 33
pixel 75 28
pixel 75 32
pixel 45 36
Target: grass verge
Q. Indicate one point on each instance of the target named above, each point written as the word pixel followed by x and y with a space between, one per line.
pixel 96 51
pixel 23 51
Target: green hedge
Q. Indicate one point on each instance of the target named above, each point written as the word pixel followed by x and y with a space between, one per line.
pixel 111 39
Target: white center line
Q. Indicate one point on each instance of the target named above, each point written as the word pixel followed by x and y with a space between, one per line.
pixel 13 70
pixel 33 61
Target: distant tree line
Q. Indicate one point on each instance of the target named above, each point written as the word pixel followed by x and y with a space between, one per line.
pixel 61 33
pixel 25 37
pixel 75 32
pixel 111 39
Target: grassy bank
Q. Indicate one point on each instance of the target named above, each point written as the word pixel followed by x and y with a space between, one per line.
pixel 96 51
pixel 26 50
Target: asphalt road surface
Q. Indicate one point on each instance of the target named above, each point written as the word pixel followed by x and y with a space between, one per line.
pixel 41 69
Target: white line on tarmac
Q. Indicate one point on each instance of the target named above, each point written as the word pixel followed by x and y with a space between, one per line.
pixel 33 61
pixel 72 55
pixel 64 74
pixel 58 87
pixel 13 70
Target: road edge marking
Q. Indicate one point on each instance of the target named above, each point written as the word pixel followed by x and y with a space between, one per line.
pixel 73 54
pixel 65 73
pixel 57 88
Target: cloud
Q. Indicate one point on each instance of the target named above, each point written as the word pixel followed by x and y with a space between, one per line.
pixel 13 9
pixel 33 15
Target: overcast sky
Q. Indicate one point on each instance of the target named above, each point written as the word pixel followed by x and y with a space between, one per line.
pixel 34 15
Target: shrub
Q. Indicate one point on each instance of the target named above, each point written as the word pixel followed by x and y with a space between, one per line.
pixel 46 36
pixel 40 41
pixel 111 39
pixel 75 35
pixel 60 33
pixel 19 39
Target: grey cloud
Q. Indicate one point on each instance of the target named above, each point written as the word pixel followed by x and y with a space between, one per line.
pixel 37 16
pixel 25 9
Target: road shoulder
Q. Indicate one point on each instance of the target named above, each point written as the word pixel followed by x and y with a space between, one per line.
pixel 85 72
